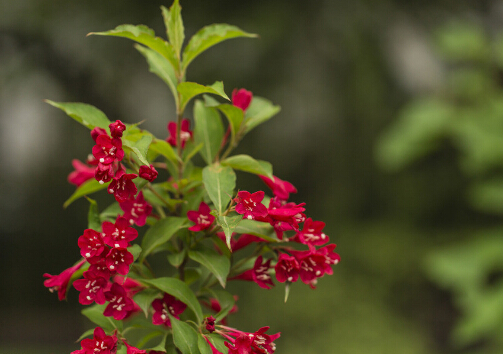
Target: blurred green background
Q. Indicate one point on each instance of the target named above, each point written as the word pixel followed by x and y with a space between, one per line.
pixel 391 129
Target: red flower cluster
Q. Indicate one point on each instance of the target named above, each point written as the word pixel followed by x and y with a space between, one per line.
pixel 240 342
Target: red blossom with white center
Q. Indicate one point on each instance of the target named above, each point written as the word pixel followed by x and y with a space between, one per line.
pixel 312 265
pixel 119 303
pixel 168 304
pixel 185 132
pixel 289 213
pixel 148 172
pixel 259 274
pixel 250 205
pixel 99 266
pixel 107 149
pixel 91 243
pixel 91 288
pixel 330 257
pixel 100 344
pixel 280 188
pixel 60 282
pixel 82 173
pixel 312 233
pixel 241 98
pixel 287 269
pixel 136 210
pixel 104 173
pixel 116 129
pixel 118 260
pixel 201 217
pixel 118 235
pixel 122 186
pixel 248 343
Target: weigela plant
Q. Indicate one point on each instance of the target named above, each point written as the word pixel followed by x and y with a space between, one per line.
pixel 172 237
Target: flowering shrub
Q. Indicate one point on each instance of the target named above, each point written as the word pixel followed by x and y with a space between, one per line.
pixel 195 217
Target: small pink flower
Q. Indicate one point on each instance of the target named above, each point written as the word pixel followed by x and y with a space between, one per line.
pixel 312 265
pixel 91 288
pixel 168 304
pixel 136 209
pixel 104 173
pixel 201 217
pixel 250 205
pixel 82 173
pixel 122 186
pixel 148 172
pixel 312 233
pixel 116 129
pixel 287 269
pixel 100 344
pixel 185 132
pixel 118 234
pixel 259 274
pixel 118 260
pixel 119 303
pixel 241 98
pixel 281 189
pixel 60 282
pixel 290 213
pixel 91 243
pixel 108 150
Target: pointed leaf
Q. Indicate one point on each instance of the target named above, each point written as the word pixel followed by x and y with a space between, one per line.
pixel 234 116
pixel 181 291
pixel 135 250
pixel 160 66
pixel 219 181
pixel 184 336
pixel 174 26
pixel 203 345
pixel 259 111
pixel 83 113
pixel 140 148
pixel 93 216
pixel 88 187
pixel 146 36
pixel 249 164
pixel 162 147
pixel 160 233
pixel 95 314
pixel 189 90
pixel 208 130
pixel 259 229
pixel 229 224
pixel 144 299
pixel 207 37
pixel 219 265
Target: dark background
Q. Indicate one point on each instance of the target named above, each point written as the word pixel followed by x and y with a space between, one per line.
pixel 340 70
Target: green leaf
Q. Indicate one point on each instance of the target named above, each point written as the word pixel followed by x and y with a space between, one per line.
pixel 189 90
pixel 226 301
pixel 160 233
pixel 249 164
pixel 259 229
pixel 234 116
pixel 207 37
pixel 140 148
pixel 181 291
pixel 208 130
pixel 122 350
pixel 216 263
pixel 111 211
pixel 88 187
pixel 135 250
pixel 161 67
pixel 259 111
pixel 95 314
pixel 184 336
pixel 174 26
pixel 161 346
pixel 144 299
pixel 93 216
pixel 229 224
pixel 83 113
pixel 218 342
pixel 146 36
pixel 162 147
pixel 219 182
pixel 203 345
pixel 176 259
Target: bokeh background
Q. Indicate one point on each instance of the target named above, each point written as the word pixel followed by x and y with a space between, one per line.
pixel 391 129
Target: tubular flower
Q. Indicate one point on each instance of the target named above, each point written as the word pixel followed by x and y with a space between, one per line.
pixel 241 98
pixel 82 173
pixel 107 149
pixel 168 304
pixel 259 274
pixel 91 243
pixel 312 233
pixel 116 129
pixel 281 189
pixel 136 209
pixel 118 260
pixel 185 132
pixel 91 288
pixel 250 205
pixel 148 172
pixel 201 217
pixel 119 303
pixel 248 343
pixel 287 269
pixel 122 186
pixel 118 234
pixel 60 282
pixel 100 344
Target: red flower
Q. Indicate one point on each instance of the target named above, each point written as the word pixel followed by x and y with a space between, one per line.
pixel 185 132
pixel 118 234
pixel 311 233
pixel 119 303
pixel 122 186
pixel 108 150
pixel 100 344
pixel 201 217
pixel 250 205
pixel 243 240
pixel 290 213
pixel 96 132
pixel 168 304
pixel 136 210
pixel 133 350
pixel 104 173
pixel 91 288
pixel 210 324
pixel 241 98
pixel 259 274
pixel 118 260
pixel 281 189
pixel 91 243
pixel 116 129
pixel 247 343
pixel 148 172
pixel 82 173
pixel 60 282
pixel 287 269
pixel 312 265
